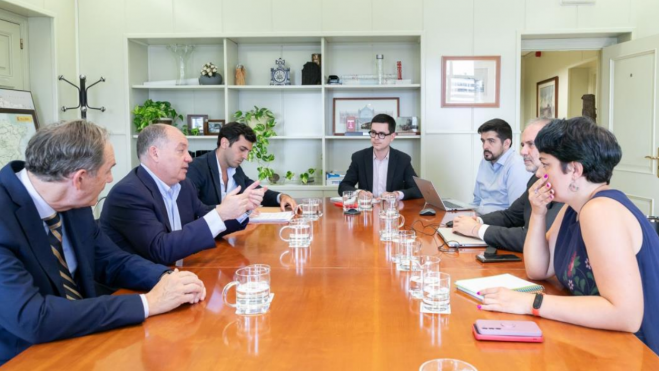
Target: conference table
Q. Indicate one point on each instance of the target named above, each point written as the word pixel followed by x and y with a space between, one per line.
pixel 339 304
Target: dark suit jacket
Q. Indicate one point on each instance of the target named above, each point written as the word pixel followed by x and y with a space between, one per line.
pixel 399 173
pixel 205 175
pixel 34 309
pixel 507 228
pixel 135 218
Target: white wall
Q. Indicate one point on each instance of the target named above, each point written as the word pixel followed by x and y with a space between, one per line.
pixel 465 27
pixel 550 64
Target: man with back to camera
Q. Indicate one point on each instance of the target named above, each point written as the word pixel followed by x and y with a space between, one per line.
pixel 218 172
pixel 155 212
pixel 381 169
pixel 507 228
pixel 52 251
pixel 502 176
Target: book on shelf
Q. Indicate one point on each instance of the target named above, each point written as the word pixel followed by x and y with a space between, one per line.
pixel 475 285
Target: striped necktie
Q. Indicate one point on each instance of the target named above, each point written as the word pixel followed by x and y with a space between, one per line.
pixel 55 239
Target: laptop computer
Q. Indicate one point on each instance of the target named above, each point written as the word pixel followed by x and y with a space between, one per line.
pixel 432 197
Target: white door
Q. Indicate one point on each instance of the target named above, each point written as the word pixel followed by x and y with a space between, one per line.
pixel 11 66
pixel 629 110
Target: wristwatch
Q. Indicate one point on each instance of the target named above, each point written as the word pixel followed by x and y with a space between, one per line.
pixel 537 303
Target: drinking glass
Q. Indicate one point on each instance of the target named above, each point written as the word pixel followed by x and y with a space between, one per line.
pixel 421 264
pixel 365 201
pixel 402 234
pixel 318 205
pixel 350 201
pixel 436 290
pixel 300 232
pixel 388 205
pixel 307 210
pixel 446 364
pixel 407 249
pixel 252 289
pixel 389 226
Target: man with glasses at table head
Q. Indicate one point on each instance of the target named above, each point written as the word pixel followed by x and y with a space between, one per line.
pixel 381 169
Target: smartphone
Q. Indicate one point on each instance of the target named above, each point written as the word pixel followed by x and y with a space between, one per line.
pixel 498 258
pixel 518 331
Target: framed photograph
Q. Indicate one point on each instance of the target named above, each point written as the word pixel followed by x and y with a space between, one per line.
pixel 407 126
pixel 16 127
pixel 212 126
pixel 356 113
pixel 471 81
pixel 197 122
pixel 546 98
pixel 16 99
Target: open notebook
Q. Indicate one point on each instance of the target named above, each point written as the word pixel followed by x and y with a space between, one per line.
pixel 474 285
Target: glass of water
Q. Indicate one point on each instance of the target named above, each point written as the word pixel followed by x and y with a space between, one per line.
pixel 365 201
pixel 313 208
pixel 350 201
pixel 388 205
pixel 436 290
pixel 402 234
pixel 252 289
pixel 408 249
pixel 446 364
pixel 420 265
pixel 300 232
pixel 390 224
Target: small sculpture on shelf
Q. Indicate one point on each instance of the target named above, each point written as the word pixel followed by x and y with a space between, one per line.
pixel 240 74
pixel 209 75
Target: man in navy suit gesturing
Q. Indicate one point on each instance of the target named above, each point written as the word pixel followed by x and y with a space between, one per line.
pixel 52 252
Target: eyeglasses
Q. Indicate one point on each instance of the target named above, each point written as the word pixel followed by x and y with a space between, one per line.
pixel 373 134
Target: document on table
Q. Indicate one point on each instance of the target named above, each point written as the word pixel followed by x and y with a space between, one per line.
pixel 281 217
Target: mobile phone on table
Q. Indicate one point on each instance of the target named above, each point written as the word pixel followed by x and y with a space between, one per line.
pixel 517 331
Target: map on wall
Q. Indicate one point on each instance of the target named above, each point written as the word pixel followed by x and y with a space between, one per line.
pixel 16 129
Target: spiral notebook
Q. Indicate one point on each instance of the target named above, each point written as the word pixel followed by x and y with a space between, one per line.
pixel 474 285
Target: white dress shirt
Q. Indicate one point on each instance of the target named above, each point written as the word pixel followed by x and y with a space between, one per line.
pixel 380 168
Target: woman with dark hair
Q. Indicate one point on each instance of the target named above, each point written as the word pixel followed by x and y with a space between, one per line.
pixel 600 247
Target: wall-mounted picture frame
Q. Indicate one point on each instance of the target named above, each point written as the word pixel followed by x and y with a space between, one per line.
pixel 546 98
pixel 17 127
pixel 16 99
pixel 471 81
pixel 196 122
pixel 213 126
pixel 358 113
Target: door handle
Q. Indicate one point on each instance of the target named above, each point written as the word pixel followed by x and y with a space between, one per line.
pixel 652 158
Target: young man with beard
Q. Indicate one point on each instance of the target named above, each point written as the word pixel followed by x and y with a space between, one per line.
pixel 501 177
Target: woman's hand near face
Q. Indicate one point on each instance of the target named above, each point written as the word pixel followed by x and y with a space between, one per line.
pixel 540 195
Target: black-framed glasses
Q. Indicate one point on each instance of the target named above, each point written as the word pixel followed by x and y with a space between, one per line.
pixel 373 134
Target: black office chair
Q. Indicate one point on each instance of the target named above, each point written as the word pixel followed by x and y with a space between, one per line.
pixel 654 221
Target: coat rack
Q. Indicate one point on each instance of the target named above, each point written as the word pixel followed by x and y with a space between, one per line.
pixel 82 96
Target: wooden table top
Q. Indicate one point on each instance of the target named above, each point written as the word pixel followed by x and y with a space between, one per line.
pixel 339 305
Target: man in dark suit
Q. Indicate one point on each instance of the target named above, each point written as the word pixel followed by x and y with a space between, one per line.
pixel 507 228
pixel 218 172
pixel 155 212
pixel 381 169
pixel 52 252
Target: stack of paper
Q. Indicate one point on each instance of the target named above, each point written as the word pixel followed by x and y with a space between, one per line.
pixel 474 285
pixel 282 217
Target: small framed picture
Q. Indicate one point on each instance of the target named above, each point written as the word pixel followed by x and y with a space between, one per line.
pixel 355 114
pixel 212 126
pixel 546 96
pixel 196 122
pixel 471 81
pixel 407 126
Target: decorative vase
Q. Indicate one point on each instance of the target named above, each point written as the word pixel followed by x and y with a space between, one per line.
pixel 181 55
pixel 210 80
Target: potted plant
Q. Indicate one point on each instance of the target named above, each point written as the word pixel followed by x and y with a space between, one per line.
pixel 152 112
pixel 309 176
pixel 289 176
pixel 262 121
pixel 209 75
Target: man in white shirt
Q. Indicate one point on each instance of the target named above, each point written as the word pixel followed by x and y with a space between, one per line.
pixel 381 169
pixel 155 212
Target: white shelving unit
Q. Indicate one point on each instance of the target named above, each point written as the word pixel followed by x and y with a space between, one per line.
pixel 305 137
